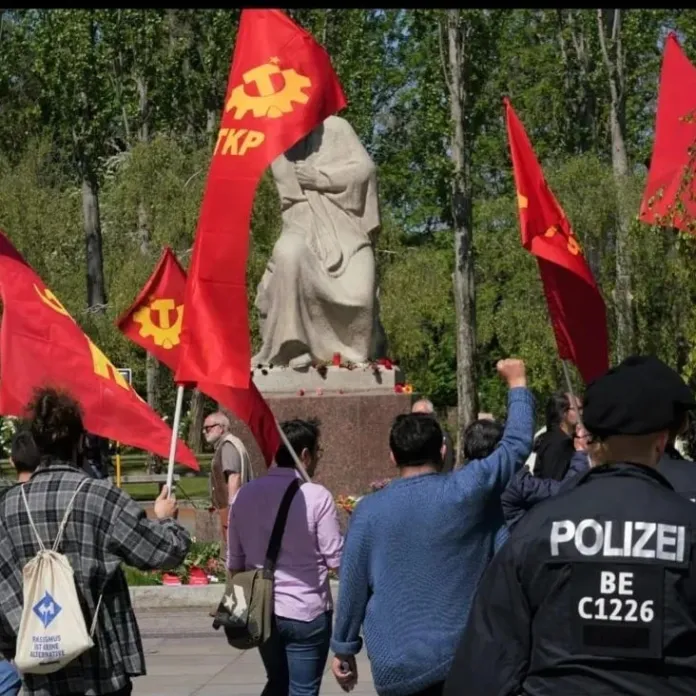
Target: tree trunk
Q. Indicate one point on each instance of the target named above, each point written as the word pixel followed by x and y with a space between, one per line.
pixel 152 379
pixel 463 277
pixel 152 365
pixel 609 27
pixel 143 137
pixel 96 285
pixel 211 121
pixel 195 433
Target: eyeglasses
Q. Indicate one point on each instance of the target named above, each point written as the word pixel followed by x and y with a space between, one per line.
pixel 206 428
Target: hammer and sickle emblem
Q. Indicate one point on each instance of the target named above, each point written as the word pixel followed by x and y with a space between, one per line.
pixel 102 365
pixel 163 332
pixel 572 245
pixel 50 300
pixel 269 103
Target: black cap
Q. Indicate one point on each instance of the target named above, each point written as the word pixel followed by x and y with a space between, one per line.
pixel 641 395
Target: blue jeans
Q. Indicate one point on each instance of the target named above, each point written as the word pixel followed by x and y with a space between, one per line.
pixel 295 656
pixel 10 681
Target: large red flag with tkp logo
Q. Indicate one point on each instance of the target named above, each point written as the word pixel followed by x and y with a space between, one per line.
pixel 576 306
pixel 42 345
pixel 153 322
pixel 281 87
pixel 670 191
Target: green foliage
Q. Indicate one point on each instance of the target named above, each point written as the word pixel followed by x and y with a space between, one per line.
pixel 135 97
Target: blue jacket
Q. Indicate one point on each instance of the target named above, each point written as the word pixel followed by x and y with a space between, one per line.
pixel 414 555
pixel 525 490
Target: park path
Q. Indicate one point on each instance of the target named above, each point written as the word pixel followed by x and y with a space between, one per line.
pixel 186 657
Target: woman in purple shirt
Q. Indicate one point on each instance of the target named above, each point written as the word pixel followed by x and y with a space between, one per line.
pixel 295 655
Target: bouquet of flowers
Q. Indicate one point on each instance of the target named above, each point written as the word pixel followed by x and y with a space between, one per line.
pixel 347 502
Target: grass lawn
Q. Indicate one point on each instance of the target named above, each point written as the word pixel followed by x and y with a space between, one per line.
pixel 189 487
pixel 193 487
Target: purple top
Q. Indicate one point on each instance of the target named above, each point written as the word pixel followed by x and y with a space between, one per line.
pixel 312 542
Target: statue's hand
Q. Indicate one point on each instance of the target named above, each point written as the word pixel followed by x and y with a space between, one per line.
pixel 307 175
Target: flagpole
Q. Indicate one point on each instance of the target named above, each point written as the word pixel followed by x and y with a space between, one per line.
pixel 118 464
pixel 298 464
pixel 175 437
pixel 569 384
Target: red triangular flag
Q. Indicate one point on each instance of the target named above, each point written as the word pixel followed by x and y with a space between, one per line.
pixel 153 322
pixel 42 345
pixel 576 307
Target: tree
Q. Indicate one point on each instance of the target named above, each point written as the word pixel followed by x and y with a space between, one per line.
pixel 609 26
pixel 75 101
pixel 457 31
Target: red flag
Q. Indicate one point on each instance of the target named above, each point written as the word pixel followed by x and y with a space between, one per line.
pixel 154 322
pixel 576 307
pixel 281 87
pixel 669 197
pixel 40 344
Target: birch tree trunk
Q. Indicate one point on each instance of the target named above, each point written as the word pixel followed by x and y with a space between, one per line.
pixel 195 433
pixel 609 28
pixel 455 64
pixel 96 285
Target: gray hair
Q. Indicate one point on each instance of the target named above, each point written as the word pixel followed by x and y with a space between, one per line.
pixel 423 406
pixel 220 419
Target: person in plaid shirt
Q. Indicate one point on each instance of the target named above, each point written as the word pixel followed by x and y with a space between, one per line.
pixel 105 529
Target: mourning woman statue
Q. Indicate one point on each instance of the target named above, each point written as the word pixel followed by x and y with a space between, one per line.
pixel 317 296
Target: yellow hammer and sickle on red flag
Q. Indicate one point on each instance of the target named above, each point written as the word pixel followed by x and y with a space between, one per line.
pixel 102 365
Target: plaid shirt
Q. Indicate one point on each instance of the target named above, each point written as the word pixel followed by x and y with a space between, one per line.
pixel 106 527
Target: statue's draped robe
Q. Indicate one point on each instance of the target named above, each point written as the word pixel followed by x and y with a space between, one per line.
pixel 317 295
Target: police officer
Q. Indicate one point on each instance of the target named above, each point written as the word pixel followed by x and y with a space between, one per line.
pixel 595 592
pixel 680 472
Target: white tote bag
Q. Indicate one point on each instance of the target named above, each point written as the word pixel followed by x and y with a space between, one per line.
pixel 52 630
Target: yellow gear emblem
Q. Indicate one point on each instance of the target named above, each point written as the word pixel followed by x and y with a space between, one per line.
pixel 164 333
pixel 269 103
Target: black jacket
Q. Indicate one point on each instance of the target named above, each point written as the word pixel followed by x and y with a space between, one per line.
pixel 554 450
pixel 594 593
pixel 525 491
pixel 681 473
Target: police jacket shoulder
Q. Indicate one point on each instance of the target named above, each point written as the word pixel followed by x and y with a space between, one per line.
pixel 609 496
pixel 681 473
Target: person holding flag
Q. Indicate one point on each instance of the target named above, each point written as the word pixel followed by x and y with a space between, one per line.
pixel 106 529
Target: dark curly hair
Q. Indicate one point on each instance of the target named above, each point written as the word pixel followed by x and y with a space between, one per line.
pixel 55 422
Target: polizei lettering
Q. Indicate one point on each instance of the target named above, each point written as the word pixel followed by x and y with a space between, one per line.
pixel 626 539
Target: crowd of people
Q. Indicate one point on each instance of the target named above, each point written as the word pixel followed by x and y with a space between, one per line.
pixel 560 563
pixel 547 564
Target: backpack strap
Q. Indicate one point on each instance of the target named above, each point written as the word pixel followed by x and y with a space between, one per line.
pixel 63 523
pixel 279 529
pixel 59 538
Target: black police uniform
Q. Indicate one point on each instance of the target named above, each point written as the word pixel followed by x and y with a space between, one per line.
pixel 595 591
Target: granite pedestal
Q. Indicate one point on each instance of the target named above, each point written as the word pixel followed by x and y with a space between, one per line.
pixel 355 422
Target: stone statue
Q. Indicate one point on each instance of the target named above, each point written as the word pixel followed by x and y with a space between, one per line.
pixel 318 295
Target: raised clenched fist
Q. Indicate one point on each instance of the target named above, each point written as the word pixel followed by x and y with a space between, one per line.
pixel 513 372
